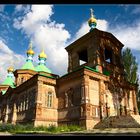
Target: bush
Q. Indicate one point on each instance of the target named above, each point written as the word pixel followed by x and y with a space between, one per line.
pixel 63 128
pixel 52 128
pixel 28 127
pixel 6 127
pixel 68 128
pixel 74 128
pixel 15 128
pixel 40 128
pixel 18 128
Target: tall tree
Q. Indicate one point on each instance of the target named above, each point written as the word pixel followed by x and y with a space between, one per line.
pixel 130 66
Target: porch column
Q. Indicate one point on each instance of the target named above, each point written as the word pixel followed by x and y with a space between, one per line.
pixel 14 114
pixel 101 98
pixel 85 90
pixel 135 103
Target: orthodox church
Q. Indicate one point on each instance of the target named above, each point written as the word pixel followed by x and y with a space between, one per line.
pixel 94 88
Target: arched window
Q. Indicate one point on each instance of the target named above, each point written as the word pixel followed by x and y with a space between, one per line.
pixel 49 99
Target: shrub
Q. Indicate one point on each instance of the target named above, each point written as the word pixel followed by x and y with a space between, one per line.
pixel 52 128
pixel 74 128
pixel 18 128
pixel 6 127
pixel 28 127
pixel 63 128
pixel 40 128
pixel 68 128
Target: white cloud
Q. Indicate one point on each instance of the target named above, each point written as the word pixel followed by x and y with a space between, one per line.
pixel 128 35
pixel 82 31
pixel 7 58
pixel 47 34
pixel 38 15
pixel 53 40
pixel 136 10
pixel 4 48
pixel 125 6
pixel 101 25
pixel 22 8
pixel 19 7
pixel 2 8
pixel 16 23
pixel 38 25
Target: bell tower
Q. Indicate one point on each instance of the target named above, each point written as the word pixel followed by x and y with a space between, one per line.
pixel 97 49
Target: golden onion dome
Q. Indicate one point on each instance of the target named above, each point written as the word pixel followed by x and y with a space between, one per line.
pixel 30 51
pixel 42 55
pixel 10 69
pixel 92 18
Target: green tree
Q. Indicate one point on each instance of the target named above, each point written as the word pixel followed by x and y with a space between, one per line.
pixel 130 66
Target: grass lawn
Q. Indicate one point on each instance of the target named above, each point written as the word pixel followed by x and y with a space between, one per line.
pixel 28 128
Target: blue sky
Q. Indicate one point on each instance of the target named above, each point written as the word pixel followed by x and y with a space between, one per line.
pixel 53 27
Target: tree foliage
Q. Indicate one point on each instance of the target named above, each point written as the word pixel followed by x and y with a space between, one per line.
pixel 130 66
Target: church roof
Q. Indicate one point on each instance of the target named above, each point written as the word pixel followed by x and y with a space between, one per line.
pixel 93 34
pixel 9 81
pixel 42 67
pixel 28 65
pixel 3 92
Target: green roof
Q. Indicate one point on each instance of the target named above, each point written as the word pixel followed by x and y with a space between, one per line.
pixel 9 81
pixel 28 65
pixel 3 92
pixel 92 69
pixel 43 68
pixel 105 72
pixel 52 77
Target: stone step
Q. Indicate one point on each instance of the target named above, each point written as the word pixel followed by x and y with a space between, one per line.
pixel 137 118
pixel 132 121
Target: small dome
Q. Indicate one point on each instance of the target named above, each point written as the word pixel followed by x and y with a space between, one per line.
pixel 30 51
pixel 10 69
pixel 92 20
pixel 42 55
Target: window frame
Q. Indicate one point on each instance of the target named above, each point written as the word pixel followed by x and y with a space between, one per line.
pixel 49 99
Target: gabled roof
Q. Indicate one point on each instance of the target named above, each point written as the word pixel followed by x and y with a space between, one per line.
pixel 9 81
pixel 28 65
pixel 95 32
pixel 3 92
pixel 41 67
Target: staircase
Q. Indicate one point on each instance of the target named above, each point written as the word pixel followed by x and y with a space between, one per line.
pixel 137 118
pixel 131 121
